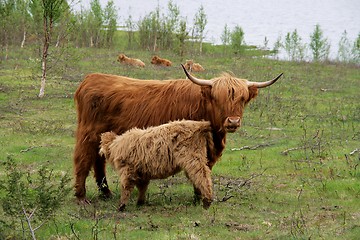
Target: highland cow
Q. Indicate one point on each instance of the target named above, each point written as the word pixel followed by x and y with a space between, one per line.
pixel 156 60
pixel 140 155
pixel 193 67
pixel 122 58
pixel 117 103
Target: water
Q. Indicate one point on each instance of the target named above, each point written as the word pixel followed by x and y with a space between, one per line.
pixel 260 18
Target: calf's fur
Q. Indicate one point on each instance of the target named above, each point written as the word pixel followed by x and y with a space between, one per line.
pixel 140 155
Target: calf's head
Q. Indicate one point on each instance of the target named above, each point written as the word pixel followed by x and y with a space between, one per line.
pixel 226 98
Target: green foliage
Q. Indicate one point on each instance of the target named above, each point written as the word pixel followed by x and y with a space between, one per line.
pixel 130 30
pixel 319 45
pixel 110 16
pixel 200 21
pixel 237 40
pixel 182 37
pixel 225 37
pixel 294 47
pixel 31 199
pixel 356 50
pixel 159 31
pixel 348 52
pixel 149 28
pixel 344 52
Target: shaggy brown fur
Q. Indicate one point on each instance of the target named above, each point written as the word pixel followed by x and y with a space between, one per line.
pixel 156 60
pixel 116 103
pixel 193 67
pixel 130 61
pixel 140 155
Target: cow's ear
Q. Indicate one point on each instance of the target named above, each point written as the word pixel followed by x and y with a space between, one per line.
pixel 206 92
pixel 253 92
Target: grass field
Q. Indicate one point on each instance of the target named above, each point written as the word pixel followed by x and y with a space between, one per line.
pixel 291 172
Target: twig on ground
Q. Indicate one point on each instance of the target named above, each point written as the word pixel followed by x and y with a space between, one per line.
pixel 286 152
pixel 252 147
pixel 355 151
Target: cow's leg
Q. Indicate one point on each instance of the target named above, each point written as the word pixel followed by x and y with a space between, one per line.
pixel 142 187
pixel 127 186
pixel 100 176
pixel 200 176
pixel 84 159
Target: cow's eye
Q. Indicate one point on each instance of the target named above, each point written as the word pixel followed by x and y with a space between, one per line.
pixel 232 93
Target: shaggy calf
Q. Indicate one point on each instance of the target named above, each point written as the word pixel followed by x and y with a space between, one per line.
pixel 140 155
pixel 156 60
pixel 193 67
pixel 122 58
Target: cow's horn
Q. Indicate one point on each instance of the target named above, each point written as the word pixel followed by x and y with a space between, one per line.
pixel 264 84
pixel 197 81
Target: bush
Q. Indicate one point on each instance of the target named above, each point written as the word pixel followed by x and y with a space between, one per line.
pixel 30 199
pixel 237 40
pixel 344 52
pixel 319 45
pixel 294 47
pixel 356 50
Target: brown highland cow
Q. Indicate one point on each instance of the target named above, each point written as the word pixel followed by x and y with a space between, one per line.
pixel 118 103
pixel 156 60
pixel 193 67
pixel 122 58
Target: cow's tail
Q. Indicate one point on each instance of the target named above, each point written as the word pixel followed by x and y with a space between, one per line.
pixel 106 139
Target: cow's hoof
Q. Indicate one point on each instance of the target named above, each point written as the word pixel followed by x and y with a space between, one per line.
pixel 105 194
pixel 197 198
pixel 206 203
pixel 122 208
pixel 140 202
pixel 83 201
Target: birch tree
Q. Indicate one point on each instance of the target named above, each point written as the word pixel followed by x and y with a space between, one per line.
pixel 51 13
pixel 200 22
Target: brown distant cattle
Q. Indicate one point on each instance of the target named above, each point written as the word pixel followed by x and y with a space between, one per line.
pixel 156 60
pixel 122 58
pixel 140 155
pixel 193 67
pixel 116 103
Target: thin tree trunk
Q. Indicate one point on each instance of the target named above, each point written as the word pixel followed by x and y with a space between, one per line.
pixel 43 76
pixel 6 52
pixel 47 30
pixel 23 41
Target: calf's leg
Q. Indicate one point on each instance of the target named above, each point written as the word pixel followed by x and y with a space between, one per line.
pixel 197 193
pixel 200 175
pixel 142 186
pixel 127 186
pixel 197 196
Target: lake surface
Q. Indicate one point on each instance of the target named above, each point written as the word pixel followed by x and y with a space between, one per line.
pixel 260 18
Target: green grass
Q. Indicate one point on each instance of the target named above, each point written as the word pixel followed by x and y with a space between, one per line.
pixel 286 174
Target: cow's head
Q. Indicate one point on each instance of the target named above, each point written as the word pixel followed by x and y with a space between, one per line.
pixel 226 98
pixel 154 59
pixel 121 58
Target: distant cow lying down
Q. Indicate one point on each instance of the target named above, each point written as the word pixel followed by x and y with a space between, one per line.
pixel 122 58
pixel 193 67
pixel 156 60
pixel 140 155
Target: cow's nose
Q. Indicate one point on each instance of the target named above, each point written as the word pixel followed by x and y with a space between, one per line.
pixel 234 120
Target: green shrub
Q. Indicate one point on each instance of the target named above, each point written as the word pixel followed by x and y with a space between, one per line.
pixel 294 47
pixel 30 199
pixel 319 45
pixel 237 40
